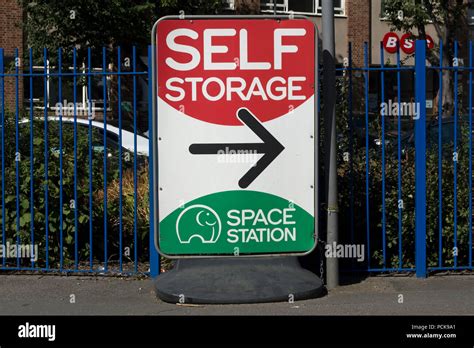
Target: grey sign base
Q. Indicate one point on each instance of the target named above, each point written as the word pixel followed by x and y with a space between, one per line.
pixel 237 280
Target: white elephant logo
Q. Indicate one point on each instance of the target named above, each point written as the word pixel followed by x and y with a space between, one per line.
pixel 200 222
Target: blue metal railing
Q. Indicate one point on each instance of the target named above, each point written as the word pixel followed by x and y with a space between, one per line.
pixel 17 153
pixel 367 164
pixel 399 233
pixel 62 219
pixel 46 155
pixel 2 106
pixel 76 240
pixel 399 164
pixel 450 251
pixel 420 159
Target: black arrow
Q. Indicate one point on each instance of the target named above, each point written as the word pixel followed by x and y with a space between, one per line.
pixel 270 147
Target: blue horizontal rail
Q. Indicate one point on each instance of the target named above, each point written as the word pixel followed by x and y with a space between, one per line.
pixel 65 74
pixel 374 68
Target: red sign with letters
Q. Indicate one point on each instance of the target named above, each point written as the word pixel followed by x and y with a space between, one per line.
pixel 210 69
pixel 407 43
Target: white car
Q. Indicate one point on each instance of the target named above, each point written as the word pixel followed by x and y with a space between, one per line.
pixel 112 133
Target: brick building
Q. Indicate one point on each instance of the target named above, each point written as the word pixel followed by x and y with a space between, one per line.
pixel 11 38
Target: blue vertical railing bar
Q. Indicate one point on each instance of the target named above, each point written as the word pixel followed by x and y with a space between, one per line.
pixel 60 97
pixel 351 145
pixel 367 177
pixel 76 240
pixel 399 154
pixel 17 151
pixel 135 238
pixel 89 116
pixel 455 190
pixel 382 97
pixel 420 159
pixel 154 257
pixel 470 153
pixel 46 153
pixel 119 82
pixel 104 91
pixel 440 156
pixel 32 203
pixel 2 96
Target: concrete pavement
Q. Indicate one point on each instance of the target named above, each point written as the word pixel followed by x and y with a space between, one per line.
pixel 382 295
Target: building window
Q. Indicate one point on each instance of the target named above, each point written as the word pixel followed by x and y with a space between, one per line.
pixel 383 14
pixel 305 7
pixel 229 4
pixel 470 12
pixel 338 7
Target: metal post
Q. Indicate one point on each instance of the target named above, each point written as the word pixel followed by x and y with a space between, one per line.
pixel 329 81
pixel 420 159
pixel 2 144
pixel 275 7
pixel 154 257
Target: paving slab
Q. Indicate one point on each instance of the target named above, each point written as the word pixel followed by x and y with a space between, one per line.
pixel 375 295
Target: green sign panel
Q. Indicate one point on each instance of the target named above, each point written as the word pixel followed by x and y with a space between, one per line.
pixel 237 222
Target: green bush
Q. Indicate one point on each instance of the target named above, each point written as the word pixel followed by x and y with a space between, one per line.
pixel 23 161
pixel 354 178
pixel 128 211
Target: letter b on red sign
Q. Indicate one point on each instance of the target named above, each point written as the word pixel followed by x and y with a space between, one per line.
pixel 390 42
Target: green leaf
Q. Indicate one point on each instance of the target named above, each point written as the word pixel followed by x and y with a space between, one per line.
pixel 25 203
pixel 10 198
pixel 69 239
pixel 83 218
pixel 25 219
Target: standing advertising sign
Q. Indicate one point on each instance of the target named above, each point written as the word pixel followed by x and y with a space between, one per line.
pixel 235 136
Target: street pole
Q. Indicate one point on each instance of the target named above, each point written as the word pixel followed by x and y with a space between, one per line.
pixel 275 7
pixel 329 111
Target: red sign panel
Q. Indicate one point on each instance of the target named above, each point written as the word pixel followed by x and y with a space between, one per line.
pixel 210 69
